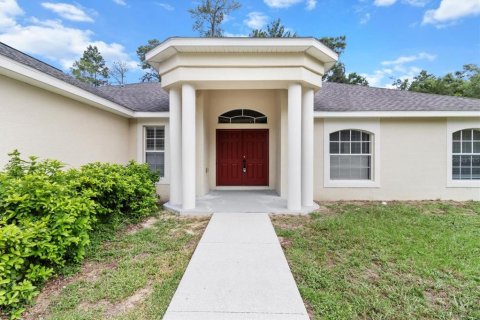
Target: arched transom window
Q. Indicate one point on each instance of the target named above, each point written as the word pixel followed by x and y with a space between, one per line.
pixel 350 155
pixel 242 116
pixel 466 154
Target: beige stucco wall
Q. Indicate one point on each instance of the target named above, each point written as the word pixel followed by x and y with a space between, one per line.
pixel 413 164
pixel 44 124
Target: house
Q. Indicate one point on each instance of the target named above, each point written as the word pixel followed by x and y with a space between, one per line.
pixel 243 113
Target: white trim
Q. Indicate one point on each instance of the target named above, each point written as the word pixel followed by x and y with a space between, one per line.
pixel 140 129
pixel 397 114
pixel 24 73
pixel 454 125
pixel 151 114
pixel 311 46
pixel 370 125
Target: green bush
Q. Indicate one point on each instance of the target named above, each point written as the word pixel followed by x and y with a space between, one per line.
pixel 117 190
pixel 47 216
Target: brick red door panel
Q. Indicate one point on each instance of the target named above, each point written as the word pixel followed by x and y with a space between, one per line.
pixel 242 157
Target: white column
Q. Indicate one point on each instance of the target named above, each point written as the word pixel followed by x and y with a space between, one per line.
pixel 188 146
pixel 294 174
pixel 175 146
pixel 307 147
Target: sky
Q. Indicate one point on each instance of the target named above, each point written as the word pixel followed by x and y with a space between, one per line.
pixel 386 39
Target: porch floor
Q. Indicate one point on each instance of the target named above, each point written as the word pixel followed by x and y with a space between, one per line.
pixel 239 201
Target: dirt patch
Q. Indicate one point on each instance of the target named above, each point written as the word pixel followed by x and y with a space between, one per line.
pixel 437 298
pixel 147 224
pixel 51 290
pixel 90 271
pixel 285 242
pixel 112 310
pixel 289 222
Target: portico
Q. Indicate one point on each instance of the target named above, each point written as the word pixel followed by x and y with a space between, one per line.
pixel 209 77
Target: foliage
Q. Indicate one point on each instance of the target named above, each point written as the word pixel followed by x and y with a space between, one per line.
pixel 91 67
pixel 337 44
pixel 151 75
pixel 464 83
pixel 116 189
pixel 209 15
pixel 337 72
pixel 47 215
pixel 416 260
pixel 118 71
pixel 274 29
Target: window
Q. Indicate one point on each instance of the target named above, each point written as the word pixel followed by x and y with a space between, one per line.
pixel 466 154
pixel 242 116
pixel 155 149
pixel 350 155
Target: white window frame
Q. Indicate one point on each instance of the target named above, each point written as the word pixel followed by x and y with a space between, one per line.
pixel 141 126
pixel 454 125
pixel 371 126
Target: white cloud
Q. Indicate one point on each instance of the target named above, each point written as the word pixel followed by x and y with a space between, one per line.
pixel 310 4
pixel 396 69
pixel 406 59
pixel 120 2
pixel 9 10
pixel 256 20
pixel 68 11
pixel 365 18
pixel 450 11
pixel 52 40
pixel 235 35
pixel 417 3
pixel 165 6
pixel 384 3
pixel 281 3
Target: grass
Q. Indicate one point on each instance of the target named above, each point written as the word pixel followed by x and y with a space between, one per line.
pixel 131 276
pixel 396 261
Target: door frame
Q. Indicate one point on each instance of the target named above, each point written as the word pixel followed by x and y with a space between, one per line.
pixel 267 161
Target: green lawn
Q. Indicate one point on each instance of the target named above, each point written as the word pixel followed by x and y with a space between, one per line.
pixel 395 261
pixel 132 276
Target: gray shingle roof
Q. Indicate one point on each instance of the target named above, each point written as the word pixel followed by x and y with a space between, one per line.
pixel 346 98
pixel 143 97
pixel 151 97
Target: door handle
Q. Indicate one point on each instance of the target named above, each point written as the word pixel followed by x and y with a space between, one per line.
pixel 244 164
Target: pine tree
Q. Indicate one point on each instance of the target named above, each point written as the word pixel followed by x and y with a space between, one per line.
pixel 91 67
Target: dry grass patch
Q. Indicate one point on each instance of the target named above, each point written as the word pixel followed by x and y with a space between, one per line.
pixel 132 276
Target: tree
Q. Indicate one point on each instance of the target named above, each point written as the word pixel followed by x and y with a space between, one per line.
pixel 464 83
pixel 91 67
pixel 118 71
pixel 275 29
pixel 151 75
pixel 337 72
pixel 209 15
pixel 337 44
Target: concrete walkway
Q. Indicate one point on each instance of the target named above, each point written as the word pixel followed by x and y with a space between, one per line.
pixel 238 271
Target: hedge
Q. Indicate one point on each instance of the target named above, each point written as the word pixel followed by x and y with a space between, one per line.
pixel 48 214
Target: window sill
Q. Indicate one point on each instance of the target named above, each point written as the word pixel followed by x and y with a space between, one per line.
pixel 463 184
pixel 351 184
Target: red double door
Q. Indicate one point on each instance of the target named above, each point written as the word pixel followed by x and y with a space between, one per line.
pixel 242 157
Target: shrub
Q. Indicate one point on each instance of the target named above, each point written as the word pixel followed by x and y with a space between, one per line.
pixel 47 216
pixel 118 191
